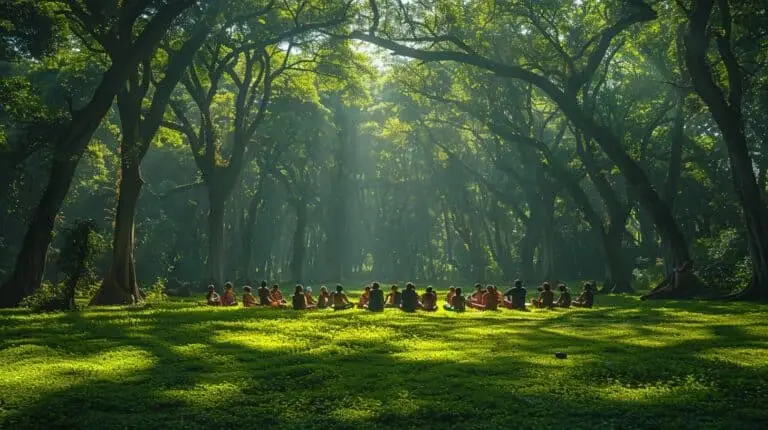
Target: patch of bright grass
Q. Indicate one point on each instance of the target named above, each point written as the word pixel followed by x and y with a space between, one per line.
pixel 630 364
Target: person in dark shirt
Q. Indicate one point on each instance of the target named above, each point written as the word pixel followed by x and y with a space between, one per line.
pixel 264 294
pixel 458 303
pixel 586 298
pixel 410 299
pixel 429 300
pixel 376 298
pixel 564 301
pixel 394 298
pixel 340 300
pixel 300 299
pixel 546 297
pixel 515 296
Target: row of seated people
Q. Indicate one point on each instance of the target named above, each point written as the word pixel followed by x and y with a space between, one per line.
pixel 373 298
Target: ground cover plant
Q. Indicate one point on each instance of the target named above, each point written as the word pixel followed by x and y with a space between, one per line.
pixel 177 364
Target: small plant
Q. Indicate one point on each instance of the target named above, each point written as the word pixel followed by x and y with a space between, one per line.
pixel 156 293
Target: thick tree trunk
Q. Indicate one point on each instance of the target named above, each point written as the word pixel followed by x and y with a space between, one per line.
pixel 30 263
pixel 299 241
pixel 618 273
pixel 528 249
pixel 217 202
pixel 120 286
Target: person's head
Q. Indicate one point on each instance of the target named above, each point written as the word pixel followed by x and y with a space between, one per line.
pixel 228 286
pixel 518 283
pixel 491 289
pixel 429 290
pixel 247 289
pixel 339 288
pixel 562 287
pixel 211 288
pixel 394 288
pixel 263 284
pixel 275 287
pixel 323 290
pixel 458 291
pixel 452 289
pixel 540 288
pixel 410 286
pixel 367 289
pixel 588 286
pixel 478 287
pixel 299 289
pixel 308 290
pixel 376 286
pixel 546 286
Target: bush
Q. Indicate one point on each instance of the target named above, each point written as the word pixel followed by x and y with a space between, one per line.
pixel 156 293
pixel 49 298
pixel 722 262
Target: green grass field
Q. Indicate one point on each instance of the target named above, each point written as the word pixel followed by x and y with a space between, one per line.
pixel 178 365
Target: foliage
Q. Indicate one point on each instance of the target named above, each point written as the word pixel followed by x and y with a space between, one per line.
pixel 156 293
pixel 686 365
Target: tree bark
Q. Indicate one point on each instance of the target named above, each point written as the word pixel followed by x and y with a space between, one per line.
pixel 299 241
pixel 217 201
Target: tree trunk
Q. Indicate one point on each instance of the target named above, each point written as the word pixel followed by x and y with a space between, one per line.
pixel 30 264
pixel 120 286
pixel 299 241
pixel 217 201
pixel 528 249
pixel 618 274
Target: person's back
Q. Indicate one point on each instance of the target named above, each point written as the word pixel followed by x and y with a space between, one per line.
pixel 429 300
pixel 491 299
pixel 410 299
pixel 376 299
pixel 564 301
pixel 299 301
pixel 394 298
pixel 459 302
pixel 340 300
pixel 547 298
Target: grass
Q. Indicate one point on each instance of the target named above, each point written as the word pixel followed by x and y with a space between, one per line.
pixel 630 364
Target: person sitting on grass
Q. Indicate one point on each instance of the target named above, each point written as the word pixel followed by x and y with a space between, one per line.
pixel 308 295
pixel 248 300
pixel 212 298
pixel 410 299
pixel 490 299
pixel 449 296
pixel 429 300
pixel 586 298
pixel 476 299
pixel 300 299
pixel 458 303
pixel 394 298
pixel 546 297
pixel 376 299
pixel 276 296
pixel 340 300
pixel 514 298
pixel 564 301
pixel 228 299
pixel 264 294
pixel 323 298
pixel 364 297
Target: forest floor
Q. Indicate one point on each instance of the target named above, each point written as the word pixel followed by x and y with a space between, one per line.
pixel 630 364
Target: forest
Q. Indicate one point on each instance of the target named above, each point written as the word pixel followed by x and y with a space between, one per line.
pixel 214 141
pixel 155 150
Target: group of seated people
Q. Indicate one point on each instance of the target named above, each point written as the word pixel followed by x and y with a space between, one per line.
pixel 373 298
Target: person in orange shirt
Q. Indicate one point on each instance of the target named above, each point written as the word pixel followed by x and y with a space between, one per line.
pixel 449 296
pixel 228 299
pixel 249 300
pixel 363 303
pixel 276 297
pixel 490 299
pixel 429 300
pixel 476 299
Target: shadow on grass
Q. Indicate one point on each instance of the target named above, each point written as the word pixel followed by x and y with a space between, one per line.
pixel 233 368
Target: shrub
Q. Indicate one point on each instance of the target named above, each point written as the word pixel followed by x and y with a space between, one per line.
pixel 156 293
